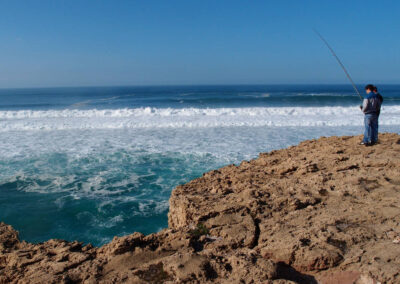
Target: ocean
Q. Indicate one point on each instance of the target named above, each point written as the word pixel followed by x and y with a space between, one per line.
pixel 91 163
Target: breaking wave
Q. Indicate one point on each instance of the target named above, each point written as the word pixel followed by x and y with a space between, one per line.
pixel 188 117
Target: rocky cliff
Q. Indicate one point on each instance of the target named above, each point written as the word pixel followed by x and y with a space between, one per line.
pixel 325 211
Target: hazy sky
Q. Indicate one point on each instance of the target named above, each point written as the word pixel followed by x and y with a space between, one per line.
pixel 96 43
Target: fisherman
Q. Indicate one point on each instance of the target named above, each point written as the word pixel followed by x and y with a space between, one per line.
pixel 371 104
pixel 371 109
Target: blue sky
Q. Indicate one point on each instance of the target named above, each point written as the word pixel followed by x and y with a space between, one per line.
pixel 100 43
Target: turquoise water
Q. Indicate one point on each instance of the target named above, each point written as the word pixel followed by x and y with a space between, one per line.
pixel 92 194
pixel 103 161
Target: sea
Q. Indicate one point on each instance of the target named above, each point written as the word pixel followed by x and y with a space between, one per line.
pixel 91 163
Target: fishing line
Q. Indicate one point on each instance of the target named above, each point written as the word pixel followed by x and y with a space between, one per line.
pixel 340 62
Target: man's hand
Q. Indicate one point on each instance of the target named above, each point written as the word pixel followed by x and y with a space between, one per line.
pixel 361 107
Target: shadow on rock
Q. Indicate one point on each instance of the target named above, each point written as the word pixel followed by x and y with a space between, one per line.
pixel 287 272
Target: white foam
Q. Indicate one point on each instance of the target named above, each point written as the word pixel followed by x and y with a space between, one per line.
pixel 188 117
pixel 111 222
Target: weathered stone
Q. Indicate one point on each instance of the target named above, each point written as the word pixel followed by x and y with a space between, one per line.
pixel 325 211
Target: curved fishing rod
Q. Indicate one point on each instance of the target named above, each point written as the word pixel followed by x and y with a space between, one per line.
pixel 340 62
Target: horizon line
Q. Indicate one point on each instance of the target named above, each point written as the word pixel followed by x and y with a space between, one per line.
pixel 183 85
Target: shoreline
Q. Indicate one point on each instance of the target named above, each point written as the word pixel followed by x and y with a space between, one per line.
pixel 301 214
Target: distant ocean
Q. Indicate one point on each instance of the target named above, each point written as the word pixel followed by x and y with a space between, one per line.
pixel 87 164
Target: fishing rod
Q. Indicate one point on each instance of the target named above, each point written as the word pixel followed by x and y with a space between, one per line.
pixel 340 63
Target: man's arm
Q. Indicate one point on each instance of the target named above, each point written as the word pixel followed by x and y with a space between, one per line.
pixel 364 106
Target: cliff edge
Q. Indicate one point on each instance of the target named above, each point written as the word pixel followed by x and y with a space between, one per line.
pixel 325 211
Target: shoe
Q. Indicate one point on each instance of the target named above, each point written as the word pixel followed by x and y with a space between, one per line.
pixel 369 144
pixel 363 143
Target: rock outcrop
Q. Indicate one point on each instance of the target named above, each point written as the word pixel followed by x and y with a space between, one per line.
pixel 325 211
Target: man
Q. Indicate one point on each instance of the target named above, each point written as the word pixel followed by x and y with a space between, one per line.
pixel 371 109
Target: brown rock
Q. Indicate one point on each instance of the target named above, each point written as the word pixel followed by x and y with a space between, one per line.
pixel 8 237
pixel 325 211
pixel 347 277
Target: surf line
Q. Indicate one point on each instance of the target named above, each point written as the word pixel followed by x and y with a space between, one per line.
pixel 339 61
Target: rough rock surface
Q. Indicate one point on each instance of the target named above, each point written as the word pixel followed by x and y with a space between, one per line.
pixel 325 211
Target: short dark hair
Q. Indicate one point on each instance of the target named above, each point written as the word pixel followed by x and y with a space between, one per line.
pixel 369 87
pixel 375 89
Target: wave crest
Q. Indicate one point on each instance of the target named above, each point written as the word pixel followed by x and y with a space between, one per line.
pixel 188 117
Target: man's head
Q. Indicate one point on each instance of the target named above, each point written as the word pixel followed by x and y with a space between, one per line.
pixel 369 88
pixel 375 90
